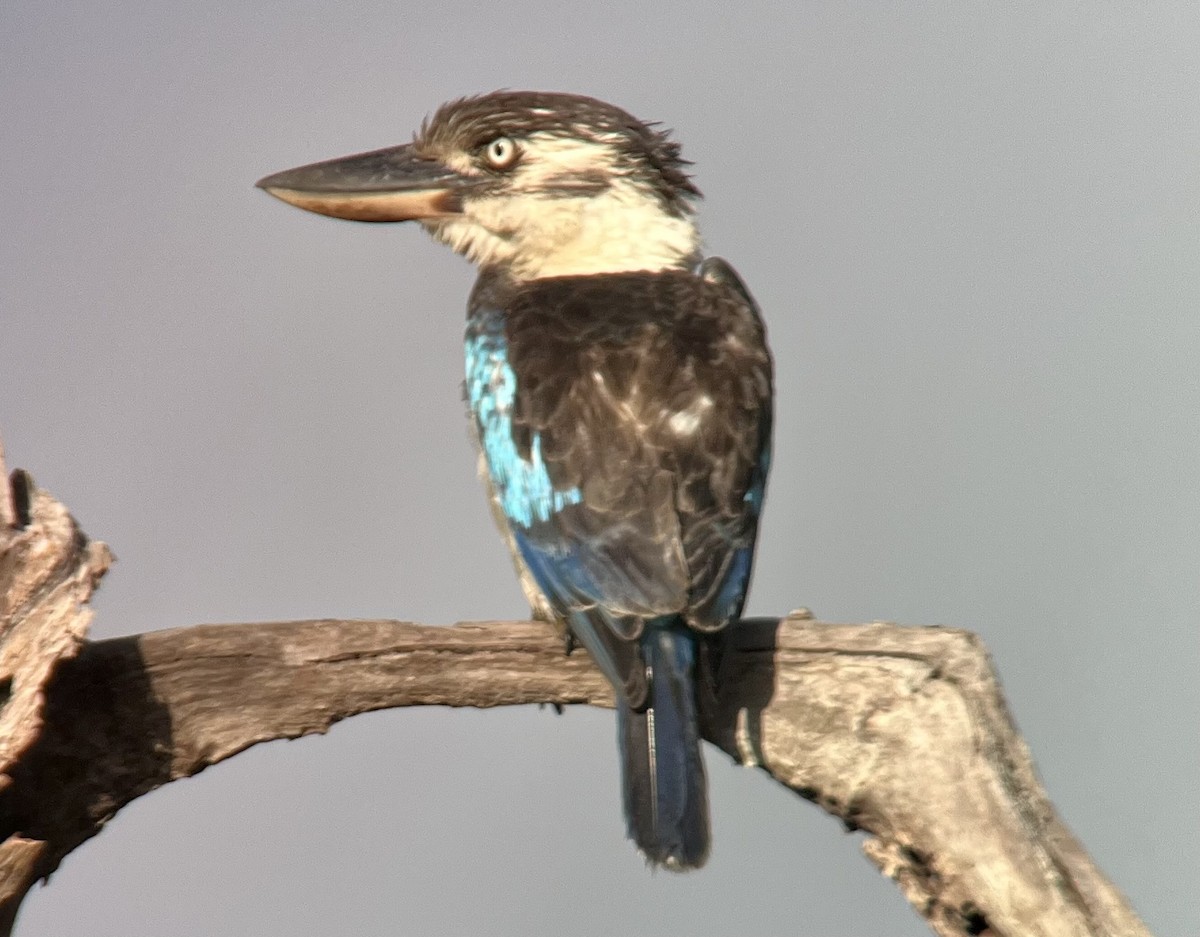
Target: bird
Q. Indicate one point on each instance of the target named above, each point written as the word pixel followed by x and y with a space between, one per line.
pixel 620 388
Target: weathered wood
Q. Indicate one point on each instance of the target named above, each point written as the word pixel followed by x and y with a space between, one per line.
pixel 48 571
pixel 899 731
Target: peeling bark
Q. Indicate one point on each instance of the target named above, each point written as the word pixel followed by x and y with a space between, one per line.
pixel 48 571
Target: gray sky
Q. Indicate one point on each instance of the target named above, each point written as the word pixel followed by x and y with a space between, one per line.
pixel 974 233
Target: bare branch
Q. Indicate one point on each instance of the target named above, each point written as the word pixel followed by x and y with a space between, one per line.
pixel 901 732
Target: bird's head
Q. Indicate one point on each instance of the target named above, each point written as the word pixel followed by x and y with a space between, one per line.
pixel 539 184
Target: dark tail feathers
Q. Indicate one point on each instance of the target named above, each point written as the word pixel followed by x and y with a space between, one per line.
pixel 666 797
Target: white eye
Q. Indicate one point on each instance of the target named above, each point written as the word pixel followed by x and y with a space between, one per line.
pixel 501 153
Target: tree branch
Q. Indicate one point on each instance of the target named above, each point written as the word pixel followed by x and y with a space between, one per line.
pixel 900 732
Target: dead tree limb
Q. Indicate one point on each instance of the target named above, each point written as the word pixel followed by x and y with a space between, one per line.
pixel 901 732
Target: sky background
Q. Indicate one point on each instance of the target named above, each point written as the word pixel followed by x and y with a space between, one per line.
pixel 974 231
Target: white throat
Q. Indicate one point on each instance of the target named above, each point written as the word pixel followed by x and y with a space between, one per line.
pixel 540 228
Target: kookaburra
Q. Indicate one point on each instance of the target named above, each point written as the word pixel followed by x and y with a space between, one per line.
pixel 620 388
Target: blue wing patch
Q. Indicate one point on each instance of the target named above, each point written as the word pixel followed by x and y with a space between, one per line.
pixel 522 484
pixel 732 593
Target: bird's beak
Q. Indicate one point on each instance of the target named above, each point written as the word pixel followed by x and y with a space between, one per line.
pixel 384 185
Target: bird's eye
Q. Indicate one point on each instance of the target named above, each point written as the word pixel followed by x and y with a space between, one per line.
pixel 501 153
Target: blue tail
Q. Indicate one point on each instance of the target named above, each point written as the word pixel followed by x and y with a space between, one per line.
pixel 666 798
